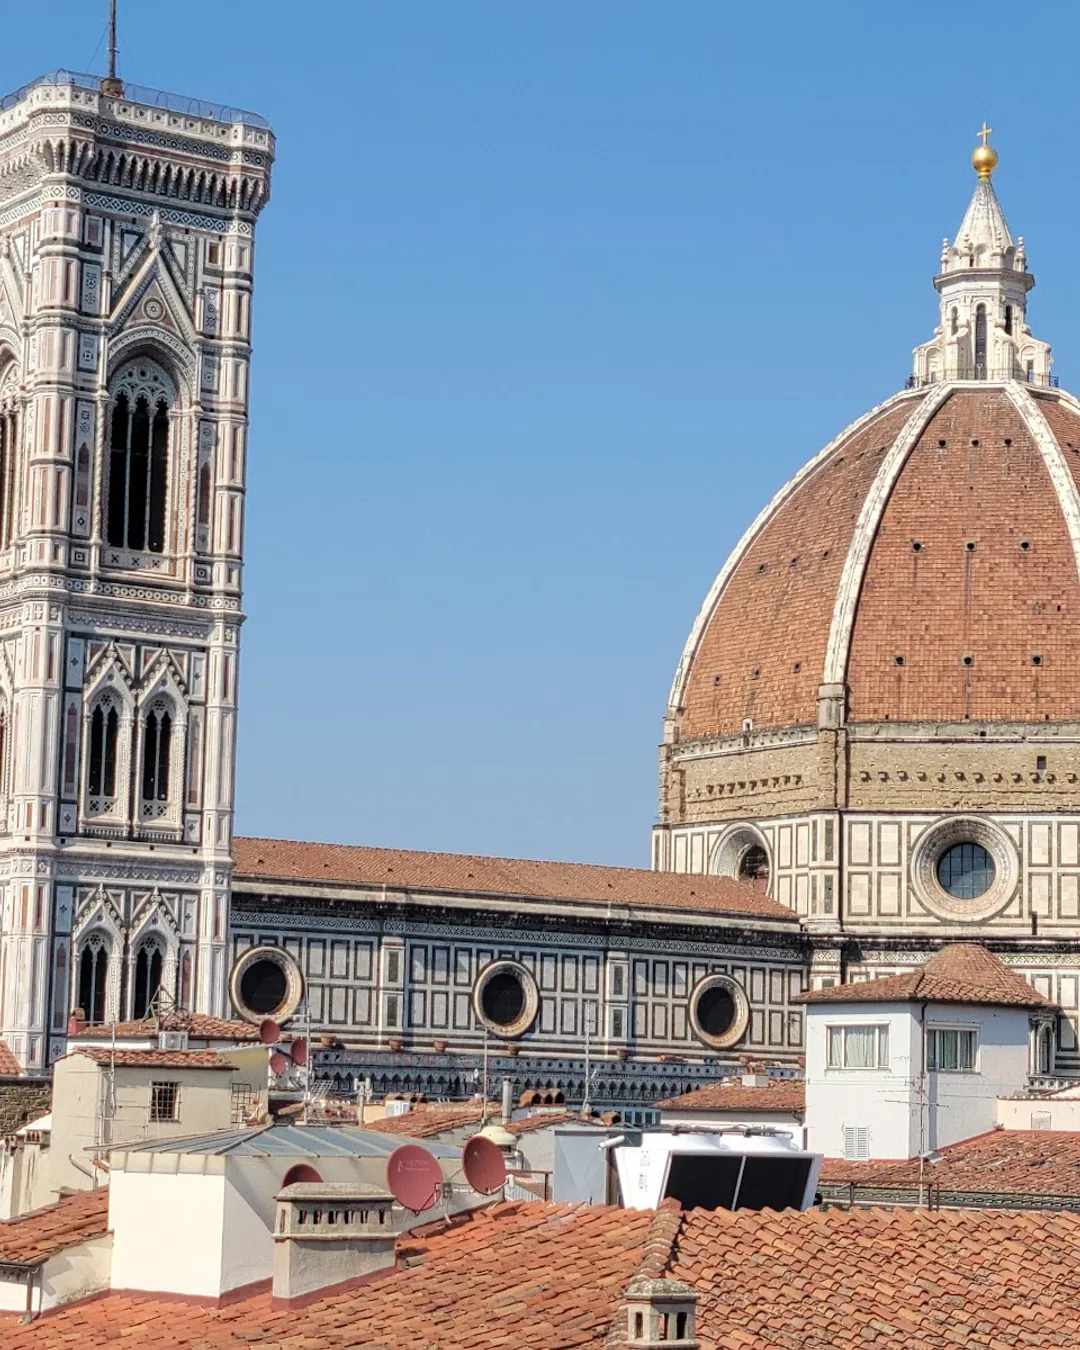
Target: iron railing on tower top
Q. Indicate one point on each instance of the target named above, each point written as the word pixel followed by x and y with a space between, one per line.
pixel 993 376
pixel 137 93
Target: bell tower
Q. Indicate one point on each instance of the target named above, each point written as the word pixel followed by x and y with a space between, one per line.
pixel 127 222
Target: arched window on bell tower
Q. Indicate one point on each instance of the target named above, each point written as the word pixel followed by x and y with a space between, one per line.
pixel 157 748
pixel 104 738
pixel 93 978
pixel 141 400
pixel 148 968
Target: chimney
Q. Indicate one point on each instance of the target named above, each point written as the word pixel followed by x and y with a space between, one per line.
pixel 660 1315
pixel 507 1100
pixel 328 1234
pixel 76 1023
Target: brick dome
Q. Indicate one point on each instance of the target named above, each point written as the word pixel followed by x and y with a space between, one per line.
pixel 923 567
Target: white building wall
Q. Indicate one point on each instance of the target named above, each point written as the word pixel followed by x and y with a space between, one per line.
pixel 183 1197
pixel 907 1111
pixel 74 1273
pixel 879 1100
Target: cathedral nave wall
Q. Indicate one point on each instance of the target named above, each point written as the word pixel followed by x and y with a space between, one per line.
pixel 377 981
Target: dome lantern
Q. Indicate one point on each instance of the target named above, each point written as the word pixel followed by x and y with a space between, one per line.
pixel 983 284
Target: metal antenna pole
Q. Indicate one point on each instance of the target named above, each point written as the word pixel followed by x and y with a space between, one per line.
pixel 111 85
pixel 484 1085
pixel 588 1047
pixel 112 39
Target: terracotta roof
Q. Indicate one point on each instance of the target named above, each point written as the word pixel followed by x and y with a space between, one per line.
pixel 516 1276
pixel 266 860
pixel 522 1276
pixel 540 1120
pixel 1001 1162
pixel 783 1094
pixel 973 474
pixel 155 1059
pixel 199 1026
pixel 32 1237
pixel 8 1063
pixel 853 1279
pixel 425 1122
pixel 962 973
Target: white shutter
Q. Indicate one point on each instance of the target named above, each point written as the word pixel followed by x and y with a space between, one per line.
pixel 856 1143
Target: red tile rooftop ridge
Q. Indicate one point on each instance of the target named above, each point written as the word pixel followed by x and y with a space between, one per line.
pixel 198 1026
pixel 265 860
pixel 553 1276
pixel 1000 1162
pixel 154 1059
pixel 33 1237
pixel 515 1276
pixel 964 972
pixel 783 1094
pixel 876 1278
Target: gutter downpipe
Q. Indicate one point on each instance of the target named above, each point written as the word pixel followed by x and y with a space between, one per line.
pixel 924 1105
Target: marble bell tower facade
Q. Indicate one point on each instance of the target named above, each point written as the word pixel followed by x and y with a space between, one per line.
pixel 127 224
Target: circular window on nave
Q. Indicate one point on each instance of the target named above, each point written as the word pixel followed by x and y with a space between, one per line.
pixel 506 999
pixel 964 868
pixel 719 1011
pixel 966 871
pixel 266 982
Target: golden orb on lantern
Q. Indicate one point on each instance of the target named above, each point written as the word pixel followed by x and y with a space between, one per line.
pixel 984 158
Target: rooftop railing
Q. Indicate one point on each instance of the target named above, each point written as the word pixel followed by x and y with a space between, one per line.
pixel 982 373
pixel 137 93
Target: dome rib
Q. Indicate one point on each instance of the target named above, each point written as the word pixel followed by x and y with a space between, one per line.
pixel 873 508
pixel 1053 457
pixel 716 591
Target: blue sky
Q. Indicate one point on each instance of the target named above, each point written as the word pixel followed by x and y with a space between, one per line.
pixel 551 297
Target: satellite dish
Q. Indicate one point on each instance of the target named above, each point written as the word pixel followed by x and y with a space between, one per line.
pixel 278 1063
pixel 298 1053
pixel 413 1177
pixel 269 1031
pixel 484 1165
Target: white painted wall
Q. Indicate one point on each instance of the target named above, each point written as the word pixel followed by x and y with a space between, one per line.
pixel 201 1225
pixel 205 1106
pixel 166 1211
pixel 1019 1113
pixel 905 1111
pixel 75 1272
pixel 965 1104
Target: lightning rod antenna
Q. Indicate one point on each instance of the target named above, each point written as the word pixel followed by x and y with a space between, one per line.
pixel 111 85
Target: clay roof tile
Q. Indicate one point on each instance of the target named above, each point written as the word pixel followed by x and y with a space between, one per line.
pixel 964 972
pixel 264 860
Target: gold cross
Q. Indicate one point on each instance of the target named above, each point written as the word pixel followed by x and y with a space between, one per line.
pixel 984 131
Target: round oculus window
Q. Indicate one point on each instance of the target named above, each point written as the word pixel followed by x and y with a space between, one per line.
pixel 966 871
pixel 266 982
pixel 964 868
pixel 719 1011
pixel 506 999
pixel 263 987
